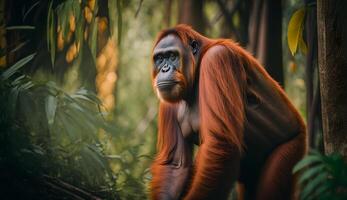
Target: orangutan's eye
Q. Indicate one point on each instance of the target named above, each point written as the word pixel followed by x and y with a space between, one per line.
pixel 158 59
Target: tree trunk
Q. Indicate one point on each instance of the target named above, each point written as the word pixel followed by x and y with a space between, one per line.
pixel 107 58
pixel 313 107
pixel 265 36
pixel 332 57
pixel 168 9
pixel 191 13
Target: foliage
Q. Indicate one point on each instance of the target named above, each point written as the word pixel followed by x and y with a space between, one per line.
pixel 322 177
pixel 65 132
pixel 57 128
pixel 74 24
pixel 295 32
pixel 47 131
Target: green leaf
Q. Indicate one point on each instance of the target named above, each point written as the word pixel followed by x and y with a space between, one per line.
pixel 87 94
pixel 14 68
pixel 30 9
pixel 295 29
pixel 101 160
pixel 51 107
pixel 13 97
pixel 93 37
pixel 19 46
pixel 310 173
pixel 306 161
pixel 112 15
pixel 312 185
pixel 93 160
pixel 320 190
pixel 49 14
pixel 70 126
pixel 20 28
pixel 84 120
pixel 27 85
pixel 52 37
pixel 120 20
pixel 18 80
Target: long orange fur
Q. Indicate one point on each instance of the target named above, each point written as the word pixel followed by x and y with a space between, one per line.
pixel 222 82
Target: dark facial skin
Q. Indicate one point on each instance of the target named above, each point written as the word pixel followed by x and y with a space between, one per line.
pixel 171 62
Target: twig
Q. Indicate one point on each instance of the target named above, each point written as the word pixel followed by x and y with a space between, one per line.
pixel 229 14
pixel 216 18
pixel 69 189
pixel 138 8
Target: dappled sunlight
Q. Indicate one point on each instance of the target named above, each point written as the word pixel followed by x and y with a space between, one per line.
pixel 106 77
pixel 79 112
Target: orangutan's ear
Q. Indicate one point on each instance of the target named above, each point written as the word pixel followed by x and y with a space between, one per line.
pixel 194 45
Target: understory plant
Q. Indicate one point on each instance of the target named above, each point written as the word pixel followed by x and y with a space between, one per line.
pixel 322 177
pixel 47 133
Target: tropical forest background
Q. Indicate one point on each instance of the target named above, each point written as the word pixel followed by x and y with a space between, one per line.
pixel 78 115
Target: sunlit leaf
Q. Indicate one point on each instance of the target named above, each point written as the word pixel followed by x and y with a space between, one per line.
pixel 117 157
pixel 88 94
pixel 50 106
pixel 295 29
pixel 26 85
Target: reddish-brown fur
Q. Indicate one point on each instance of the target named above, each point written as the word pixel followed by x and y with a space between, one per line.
pixel 223 73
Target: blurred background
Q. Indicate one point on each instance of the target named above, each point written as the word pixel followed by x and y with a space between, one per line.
pixel 78 115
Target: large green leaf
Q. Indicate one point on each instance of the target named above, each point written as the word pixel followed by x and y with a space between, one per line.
pixel 308 160
pixel 310 173
pixel 323 177
pixel 312 186
pixel 101 160
pixel 70 126
pixel 295 29
pixel 319 191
